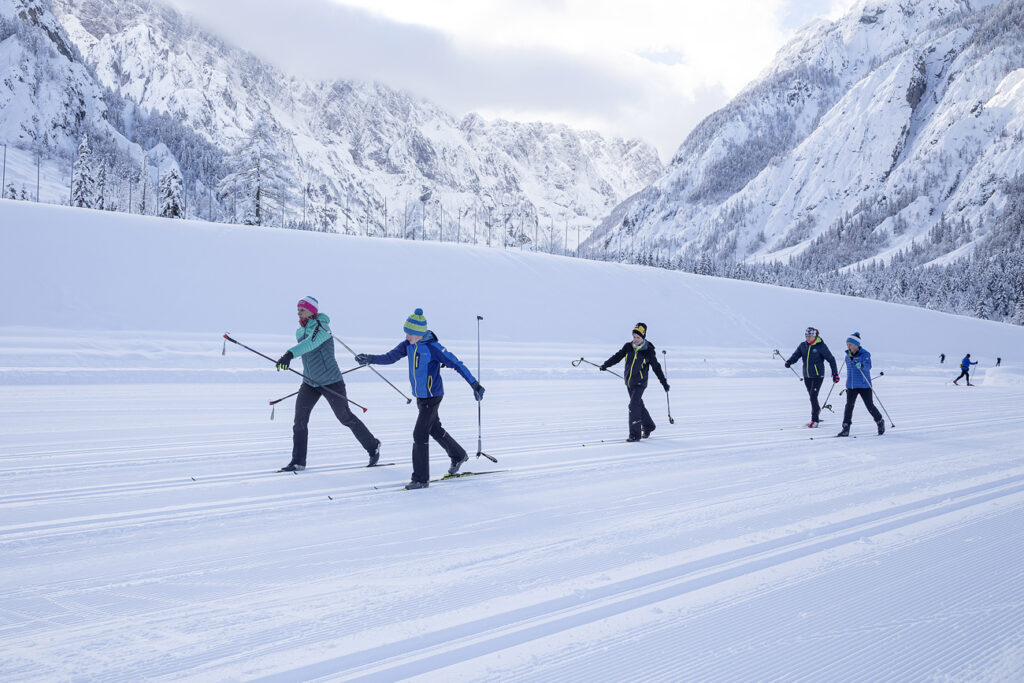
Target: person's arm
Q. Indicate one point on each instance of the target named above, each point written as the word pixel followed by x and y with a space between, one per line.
pixel 392 356
pixel 449 359
pixel 321 333
pixel 831 360
pixel 796 355
pixel 656 366
pixel 616 357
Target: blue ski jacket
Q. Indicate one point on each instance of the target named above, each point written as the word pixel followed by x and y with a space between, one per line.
pixel 858 370
pixel 966 363
pixel 426 358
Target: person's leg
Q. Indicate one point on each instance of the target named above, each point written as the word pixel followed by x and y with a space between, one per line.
pixel 851 397
pixel 304 402
pixel 962 373
pixel 456 453
pixel 967 374
pixel 813 386
pixel 338 400
pixel 421 438
pixel 867 395
pixel 636 413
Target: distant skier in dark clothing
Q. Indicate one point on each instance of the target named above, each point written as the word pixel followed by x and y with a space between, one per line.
pixel 814 354
pixel 942 358
pixel 858 383
pixel 641 359
pixel 998 361
pixel 316 347
pixel 426 358
pixel 965 370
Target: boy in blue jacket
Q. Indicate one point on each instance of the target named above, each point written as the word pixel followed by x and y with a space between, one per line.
pixel 426 358
pixel 858 383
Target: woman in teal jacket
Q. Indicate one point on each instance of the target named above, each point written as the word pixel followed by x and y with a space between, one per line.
pixel 316 348
pixel 426 358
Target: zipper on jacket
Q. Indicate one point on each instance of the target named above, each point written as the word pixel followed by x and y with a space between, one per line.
pixel 415 367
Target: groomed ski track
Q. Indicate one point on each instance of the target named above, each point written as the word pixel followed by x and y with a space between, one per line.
pixel 725 547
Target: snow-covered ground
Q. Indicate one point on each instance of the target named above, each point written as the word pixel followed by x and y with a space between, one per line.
pixel 145 534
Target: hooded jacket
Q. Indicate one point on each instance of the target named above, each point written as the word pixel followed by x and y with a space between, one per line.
pixel 814 357
pixel 426 358
pixel 316 347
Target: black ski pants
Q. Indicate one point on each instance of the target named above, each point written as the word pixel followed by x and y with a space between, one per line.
pixel 869 403
pixel 813 386
pixel 639 418
pixel 964 372
pixel 336 397
pixel 428 425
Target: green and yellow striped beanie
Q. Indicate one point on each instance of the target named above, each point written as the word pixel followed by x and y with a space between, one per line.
pixel 416 324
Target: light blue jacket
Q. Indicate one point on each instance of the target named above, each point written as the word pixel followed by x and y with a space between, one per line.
pixel 316 348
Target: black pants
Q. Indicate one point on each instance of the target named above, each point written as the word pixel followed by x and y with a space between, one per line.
pixel 639 418
pixel 428 425
pixel 813 386
pixel 869 403
pixel 307 398
pixel 964 372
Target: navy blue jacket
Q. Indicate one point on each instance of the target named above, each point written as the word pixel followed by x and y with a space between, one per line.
pixel 639 363
pixel 814 357
pixel 426 358
pixel 858 377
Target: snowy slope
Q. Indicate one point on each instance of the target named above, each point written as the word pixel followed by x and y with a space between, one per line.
pixel 145 534
pixel 903 114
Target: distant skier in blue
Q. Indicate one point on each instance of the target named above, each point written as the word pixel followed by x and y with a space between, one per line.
pixel 426 358
pixel 965 370
pixel 858 383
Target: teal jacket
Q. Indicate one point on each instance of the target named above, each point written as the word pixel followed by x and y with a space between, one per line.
pixel 316 347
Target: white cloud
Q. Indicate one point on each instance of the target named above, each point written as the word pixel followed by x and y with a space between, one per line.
pixel 647 68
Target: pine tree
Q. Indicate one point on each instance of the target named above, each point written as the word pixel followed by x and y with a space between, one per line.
pixel 101 187
pixel 260 174
pixel 11 193
pixel 170 194
pixel 83 188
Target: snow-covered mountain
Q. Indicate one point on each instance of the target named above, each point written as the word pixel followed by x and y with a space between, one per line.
pixel 356 146
pixel 896 128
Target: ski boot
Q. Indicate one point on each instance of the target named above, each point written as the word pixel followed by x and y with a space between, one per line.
pixel 375 454
pixel 632 439
pixel 412 485
pixel 456 464
pixel 812 424
pixel 646 432
pixel 881 427
pixel 846 430
pixel 292 467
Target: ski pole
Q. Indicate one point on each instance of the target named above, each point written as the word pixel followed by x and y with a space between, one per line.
pixel 576 364
pixel 263 355
pixel 828 406
pixel 881 374
pixel 790 367
pixel 479 422
pixel 407 399
pixel 891 424
pixel 276 401
pixel 664 354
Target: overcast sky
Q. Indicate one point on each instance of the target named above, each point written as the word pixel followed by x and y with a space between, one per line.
pixel 639 68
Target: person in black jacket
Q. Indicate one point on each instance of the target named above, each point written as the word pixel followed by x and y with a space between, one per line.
pixel 814 354
pixel 641 359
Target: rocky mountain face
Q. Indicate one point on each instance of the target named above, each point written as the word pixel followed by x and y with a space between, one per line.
pixel 382 159
pixel 895 131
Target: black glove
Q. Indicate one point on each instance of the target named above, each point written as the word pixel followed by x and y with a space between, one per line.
pixel 284 361
pixel 603 367
pixel 364 358
pixel 788 363
pixel 665 384
pixel 478 391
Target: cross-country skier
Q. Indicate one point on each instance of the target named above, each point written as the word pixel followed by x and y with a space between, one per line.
pixel 942 358
pixel 998 361
pixel 426 358
pixel 641 359
pixel 316 347
pixel 858 383
pixel 814 354
pixel 965 370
